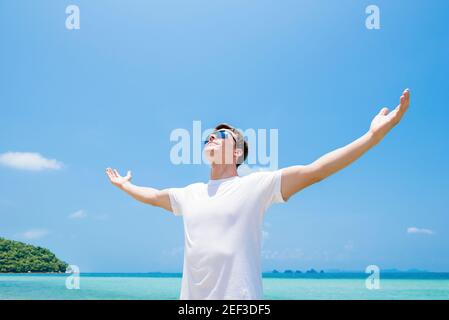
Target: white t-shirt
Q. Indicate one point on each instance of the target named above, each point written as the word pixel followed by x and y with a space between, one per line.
pixel 223 234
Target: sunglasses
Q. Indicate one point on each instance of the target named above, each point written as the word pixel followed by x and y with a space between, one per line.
pixel 220 134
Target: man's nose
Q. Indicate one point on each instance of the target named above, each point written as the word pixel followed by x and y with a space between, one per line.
pixel 212 138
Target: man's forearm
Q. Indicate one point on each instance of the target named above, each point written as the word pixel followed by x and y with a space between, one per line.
pixel 342 157
pixel 144 194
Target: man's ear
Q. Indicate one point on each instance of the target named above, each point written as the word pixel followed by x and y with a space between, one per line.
pixel 238 152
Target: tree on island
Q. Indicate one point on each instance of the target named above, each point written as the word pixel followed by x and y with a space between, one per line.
pixel 289 271
pixel 311 271
pixel 19 257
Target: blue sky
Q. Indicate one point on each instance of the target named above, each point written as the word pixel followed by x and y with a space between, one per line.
pixel 110 94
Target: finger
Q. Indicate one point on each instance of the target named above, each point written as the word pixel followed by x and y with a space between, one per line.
pixel 403 102
pixel 128 173
pixel 384 111
pixel 398 112
pixel 407 96
pixel 406 92
pixel 111 173
pixel 116 173
pixel 394 114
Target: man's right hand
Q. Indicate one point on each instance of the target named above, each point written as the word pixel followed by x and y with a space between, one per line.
pixel 116 179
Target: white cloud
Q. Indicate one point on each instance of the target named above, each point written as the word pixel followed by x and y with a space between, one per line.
pixel 34 234
pixel 80 214
pixel 28 161
pixel 420 231
pixel 349 246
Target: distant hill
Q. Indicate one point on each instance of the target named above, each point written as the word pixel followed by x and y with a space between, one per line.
pixel 19 257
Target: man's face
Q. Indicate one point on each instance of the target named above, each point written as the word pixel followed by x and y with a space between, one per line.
pixel 220 147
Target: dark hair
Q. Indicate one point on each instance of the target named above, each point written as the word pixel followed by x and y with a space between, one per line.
pixel 240 141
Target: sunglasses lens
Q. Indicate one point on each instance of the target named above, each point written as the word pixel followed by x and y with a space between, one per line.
pixel 222 134
pixel 218 135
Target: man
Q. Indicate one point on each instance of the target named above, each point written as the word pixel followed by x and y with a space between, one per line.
pixel 223 218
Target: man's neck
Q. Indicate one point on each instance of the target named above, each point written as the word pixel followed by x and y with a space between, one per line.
pixel 222 171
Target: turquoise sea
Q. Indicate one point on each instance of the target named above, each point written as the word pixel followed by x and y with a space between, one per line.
pixel 154 286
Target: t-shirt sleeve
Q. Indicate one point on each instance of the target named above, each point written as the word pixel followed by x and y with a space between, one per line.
pixel 176 196
pixel 269 184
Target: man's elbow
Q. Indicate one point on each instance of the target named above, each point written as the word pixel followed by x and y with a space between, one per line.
pixel 314 173
pixel 150 199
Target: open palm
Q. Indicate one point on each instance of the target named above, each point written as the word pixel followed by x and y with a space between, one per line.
pixel 384 121
pixel 116 179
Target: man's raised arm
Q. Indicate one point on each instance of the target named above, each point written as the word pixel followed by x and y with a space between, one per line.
pixel 296 178
pixel 158 198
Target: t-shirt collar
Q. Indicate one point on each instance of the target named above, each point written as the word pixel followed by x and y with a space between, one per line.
pixel 215 181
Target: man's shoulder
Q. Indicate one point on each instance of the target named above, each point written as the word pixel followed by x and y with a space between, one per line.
pixel 188 187
pixel 195 185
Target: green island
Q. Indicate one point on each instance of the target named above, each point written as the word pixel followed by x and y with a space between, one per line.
pixel 19 257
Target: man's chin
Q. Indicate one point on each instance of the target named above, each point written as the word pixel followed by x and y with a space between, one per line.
pixel 209 155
